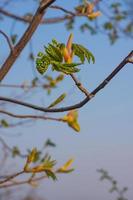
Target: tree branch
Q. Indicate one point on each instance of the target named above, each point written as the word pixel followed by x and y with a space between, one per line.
pixel 27 181
pixel 24 86
pixel 11 177
pixel 30 116
pixel 28 20
pixel 24 39
pixel 80 104
pixel 63 9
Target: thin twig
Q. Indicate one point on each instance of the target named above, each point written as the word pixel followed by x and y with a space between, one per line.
pixel 5 145
pixel 63 9
pixel 27 181
pixel 24 86
pixel 30 116
pixel 7 39
pixel 20 123
pixel 11 177
pixel 80 86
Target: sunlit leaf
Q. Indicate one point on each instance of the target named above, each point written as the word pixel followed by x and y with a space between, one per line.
pixel 60 57
pixel 33 156
pixel 66 67
pixel 72 120
pixel 58 100
pixel 66 167
pixel 83 53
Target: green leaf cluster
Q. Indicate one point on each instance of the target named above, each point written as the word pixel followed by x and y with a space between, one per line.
pixel 33 156
pixel 45 165
pixel 53 56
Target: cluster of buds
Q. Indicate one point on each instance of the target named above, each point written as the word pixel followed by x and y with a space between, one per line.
pixel 72 120
pixel 88 10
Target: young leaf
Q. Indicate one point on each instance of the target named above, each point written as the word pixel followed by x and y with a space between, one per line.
pixel 58 100
pixel 51 174
pixel 42 64
pixel 60 57
pixel 49 143
pixel 65 168
pixel 15 151
pixel 33 156
pixel 59 78
pixel 72 120
pixel 4 123
pixel 54 53
pixel 14 38
pixel 66 67
pixel 83 53
pixel 54 42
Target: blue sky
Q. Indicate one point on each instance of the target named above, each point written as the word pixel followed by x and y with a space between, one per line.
pixel 106 137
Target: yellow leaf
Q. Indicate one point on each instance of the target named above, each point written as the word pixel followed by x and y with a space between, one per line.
pixel 31 157
pixel 58 100
pixel 41 168
pixel 75 126
pixel 65 168
pixel 68 164
pixel 72 120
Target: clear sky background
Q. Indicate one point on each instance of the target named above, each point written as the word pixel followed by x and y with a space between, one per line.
pixel 106 137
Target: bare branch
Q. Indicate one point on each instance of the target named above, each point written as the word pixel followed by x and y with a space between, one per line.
pixel 11 177
pixel 24 39
pixel 28 20
pixel 30 116
pixel 6 147
pixel 24 86
pixel 27 181
pixel 63 9
pixel 7 39
pixel 80 104
pixel 4 144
